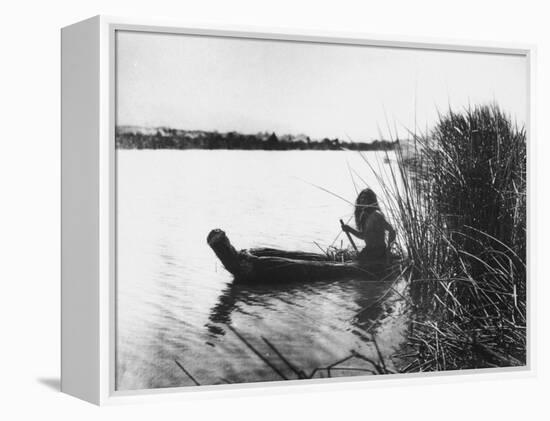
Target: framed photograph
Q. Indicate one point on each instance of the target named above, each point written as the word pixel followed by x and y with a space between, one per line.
pixel 244 207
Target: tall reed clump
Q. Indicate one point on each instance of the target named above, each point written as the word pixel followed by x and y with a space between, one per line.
pixel 460 205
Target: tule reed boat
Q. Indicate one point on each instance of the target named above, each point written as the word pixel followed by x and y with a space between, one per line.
pixel 272 265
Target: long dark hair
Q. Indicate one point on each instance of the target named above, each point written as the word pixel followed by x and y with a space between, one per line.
pixel 365 204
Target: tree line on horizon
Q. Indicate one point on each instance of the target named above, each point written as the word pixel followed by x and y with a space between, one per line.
pixel 166 138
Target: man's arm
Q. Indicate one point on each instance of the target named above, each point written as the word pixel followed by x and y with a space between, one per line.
pixel 358 234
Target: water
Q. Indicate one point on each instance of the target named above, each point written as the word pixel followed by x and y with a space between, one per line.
pixel 175 300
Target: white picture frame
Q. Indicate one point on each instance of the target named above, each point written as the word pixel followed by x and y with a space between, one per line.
pixel 88 206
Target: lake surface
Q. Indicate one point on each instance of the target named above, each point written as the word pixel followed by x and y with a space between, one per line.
pixel 175 301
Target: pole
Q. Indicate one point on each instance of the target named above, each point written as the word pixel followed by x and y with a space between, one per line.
pixel 349 236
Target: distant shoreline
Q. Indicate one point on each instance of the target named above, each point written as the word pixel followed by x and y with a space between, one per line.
pixel 166 138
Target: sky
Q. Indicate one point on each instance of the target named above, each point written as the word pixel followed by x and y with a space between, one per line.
pixel 322 90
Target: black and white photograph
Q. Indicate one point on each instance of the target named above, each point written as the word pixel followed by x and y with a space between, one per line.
pixel 294 210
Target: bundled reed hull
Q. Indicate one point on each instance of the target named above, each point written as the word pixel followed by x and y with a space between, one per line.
pixel 272 265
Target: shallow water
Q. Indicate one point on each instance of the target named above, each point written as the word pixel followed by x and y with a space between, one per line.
pixel 174 299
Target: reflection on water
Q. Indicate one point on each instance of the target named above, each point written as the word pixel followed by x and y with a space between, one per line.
pixel 360 292
pixel 176 302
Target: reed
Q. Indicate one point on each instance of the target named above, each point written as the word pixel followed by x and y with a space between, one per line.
pixel 458 198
